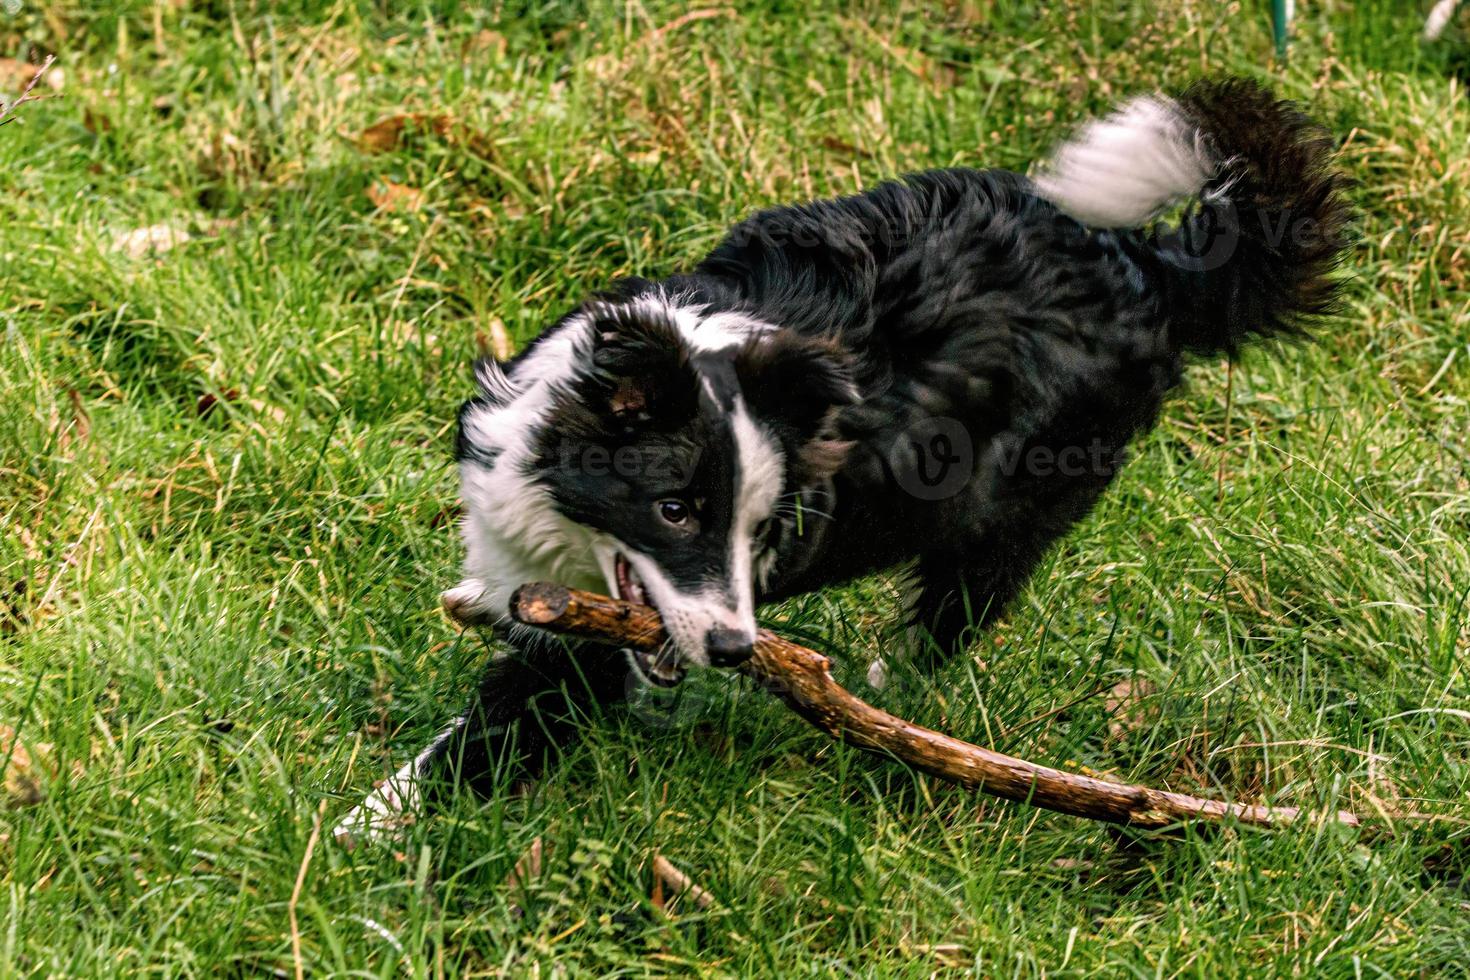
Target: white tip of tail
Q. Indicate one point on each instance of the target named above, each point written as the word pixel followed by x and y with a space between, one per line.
pixel 1122 170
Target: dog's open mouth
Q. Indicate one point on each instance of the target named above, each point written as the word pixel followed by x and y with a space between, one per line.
pixel 630 586
pixel 661 669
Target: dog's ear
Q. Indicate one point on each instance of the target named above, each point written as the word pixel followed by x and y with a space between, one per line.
pixel 640 368
pixel 795 380
pixel 796 384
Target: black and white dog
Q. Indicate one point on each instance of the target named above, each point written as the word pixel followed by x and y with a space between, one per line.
pixel 940 375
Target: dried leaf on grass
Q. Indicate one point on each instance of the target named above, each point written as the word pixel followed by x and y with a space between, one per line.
pixel 77 430
pixel 389 196
pixel 527 868
pixel 487 40
pixel 525 874
pixel 263 409
pixel 163 237
pixel 30 765
pixel 386 133
pixel 209 401
pixel 666 876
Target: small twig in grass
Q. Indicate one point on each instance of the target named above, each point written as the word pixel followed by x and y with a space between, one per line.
pixel 413 265
pixel 316 833
pixel 608 65
pixel 1010 730
pixel 658 33
pixel 25 95
pixel 664 873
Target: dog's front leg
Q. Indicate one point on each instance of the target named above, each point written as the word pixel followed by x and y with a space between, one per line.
pixel 949 599
pixel 381 813
pixel 528 705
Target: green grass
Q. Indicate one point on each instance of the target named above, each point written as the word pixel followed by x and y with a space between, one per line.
pixel 219 623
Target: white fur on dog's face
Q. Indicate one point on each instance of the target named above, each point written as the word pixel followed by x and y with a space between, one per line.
pixel 512 532
pixel 724 600
pixel 527 520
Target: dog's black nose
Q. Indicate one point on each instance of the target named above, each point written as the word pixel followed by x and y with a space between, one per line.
pixel 728 648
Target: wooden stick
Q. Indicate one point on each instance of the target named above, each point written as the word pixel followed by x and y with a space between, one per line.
pixel 802 678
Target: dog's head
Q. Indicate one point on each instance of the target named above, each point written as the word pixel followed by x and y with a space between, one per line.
pixel 683 443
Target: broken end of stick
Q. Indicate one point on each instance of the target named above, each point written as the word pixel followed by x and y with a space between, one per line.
pixel 540 603
pixel 600 618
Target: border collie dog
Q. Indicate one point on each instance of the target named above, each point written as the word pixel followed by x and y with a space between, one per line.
pixel 939 376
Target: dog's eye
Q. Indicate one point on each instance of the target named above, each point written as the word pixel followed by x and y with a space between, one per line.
pixel 676 512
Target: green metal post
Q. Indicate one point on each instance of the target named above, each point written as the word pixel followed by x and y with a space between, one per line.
pixel 1278 24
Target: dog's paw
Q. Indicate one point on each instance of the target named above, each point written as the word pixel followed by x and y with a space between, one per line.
pixel 469 603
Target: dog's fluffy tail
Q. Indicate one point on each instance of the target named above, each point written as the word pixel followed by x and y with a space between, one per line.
pixel 1255 253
